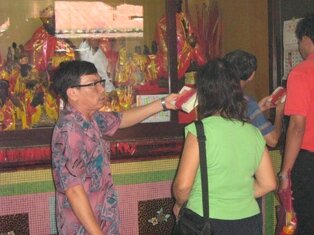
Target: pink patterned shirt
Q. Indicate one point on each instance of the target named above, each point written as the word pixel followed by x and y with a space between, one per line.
pixel 80 156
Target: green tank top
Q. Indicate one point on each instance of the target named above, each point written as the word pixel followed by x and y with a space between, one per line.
pixel 234 151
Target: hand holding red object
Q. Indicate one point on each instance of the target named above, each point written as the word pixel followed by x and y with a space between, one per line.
pixel 286 217
pixel 278 94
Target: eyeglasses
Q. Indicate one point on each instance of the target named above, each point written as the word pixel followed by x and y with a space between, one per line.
pixel 92 84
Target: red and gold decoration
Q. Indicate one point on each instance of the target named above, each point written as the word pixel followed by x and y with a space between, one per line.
pixel 188 48
pixel 209 28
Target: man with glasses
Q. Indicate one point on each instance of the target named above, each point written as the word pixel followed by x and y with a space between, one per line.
pixel 86 199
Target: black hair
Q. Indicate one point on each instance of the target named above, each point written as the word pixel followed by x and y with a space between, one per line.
pixel 68 74
pixel 305 27
pixel 244 62
pixel 219 91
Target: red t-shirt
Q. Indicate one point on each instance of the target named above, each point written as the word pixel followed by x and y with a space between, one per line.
pixel 300 98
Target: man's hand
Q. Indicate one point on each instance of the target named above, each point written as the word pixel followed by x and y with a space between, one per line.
pixel 283 185
pixel 170 101
pixel 265 104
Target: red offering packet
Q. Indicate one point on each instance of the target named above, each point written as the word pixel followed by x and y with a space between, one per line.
pixel 186 101
pixel 278 94
pixel 286 216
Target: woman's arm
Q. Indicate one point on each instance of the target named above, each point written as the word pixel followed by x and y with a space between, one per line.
pixel 82 209
pixel 186 173
pixel 265 180
pixel 135 115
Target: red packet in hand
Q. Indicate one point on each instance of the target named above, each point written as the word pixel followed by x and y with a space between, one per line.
pixel 186 100
pixel 286 217
pixel 278 94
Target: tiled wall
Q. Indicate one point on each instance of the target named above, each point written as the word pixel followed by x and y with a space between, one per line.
pixel 27 199
pixel 28 195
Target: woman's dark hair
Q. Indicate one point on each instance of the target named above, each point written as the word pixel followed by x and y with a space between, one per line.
pixel 68 74
pixel 305 27
pixel 219 91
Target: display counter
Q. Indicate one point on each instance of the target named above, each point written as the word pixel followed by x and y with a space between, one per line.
pixel 30 148
pixel 144 162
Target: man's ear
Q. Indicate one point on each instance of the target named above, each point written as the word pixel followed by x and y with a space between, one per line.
pixel 308 41
pixel 251 77
pixel 72 93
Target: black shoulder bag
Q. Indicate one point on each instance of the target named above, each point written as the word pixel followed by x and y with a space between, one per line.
pixel 189 222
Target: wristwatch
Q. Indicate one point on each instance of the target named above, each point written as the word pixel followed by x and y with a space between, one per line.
pixel 163 103
pixel 282 177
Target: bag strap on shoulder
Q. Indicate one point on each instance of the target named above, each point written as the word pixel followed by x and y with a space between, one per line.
pixel 203 165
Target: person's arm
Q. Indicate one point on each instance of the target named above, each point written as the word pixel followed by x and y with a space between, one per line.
pixel 265 180
pixel 294 139
pixel 82 209
pixel 135 115
pixel 186 173
pixel 259 120
pixel 273 137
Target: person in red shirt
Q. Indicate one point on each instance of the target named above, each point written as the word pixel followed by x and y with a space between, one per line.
pixel 299 148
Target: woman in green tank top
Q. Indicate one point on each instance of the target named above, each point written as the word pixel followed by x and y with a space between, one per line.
pixel 238 163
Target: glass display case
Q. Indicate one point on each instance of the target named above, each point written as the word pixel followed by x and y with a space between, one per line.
pixel 120 37
pixel 143 49
pixel 131 43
